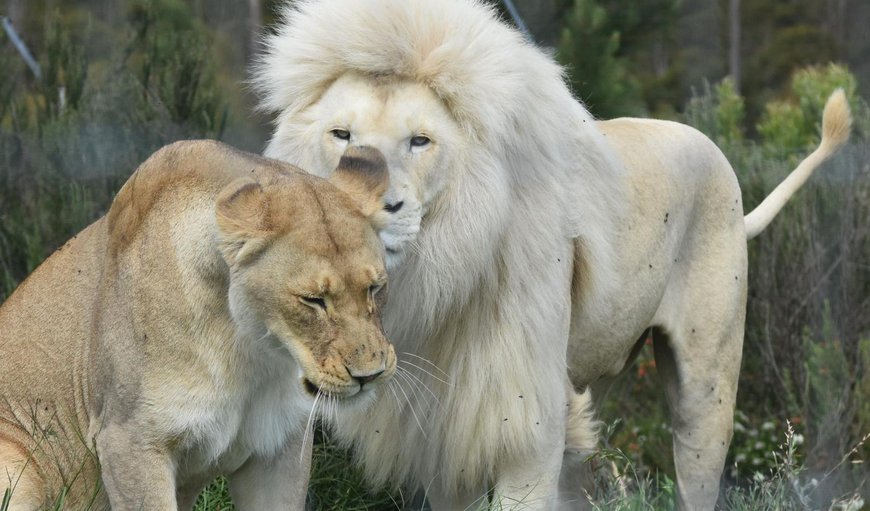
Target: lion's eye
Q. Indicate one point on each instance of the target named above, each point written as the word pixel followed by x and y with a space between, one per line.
pixel 341 134
pixel 420 141
pixel 315 302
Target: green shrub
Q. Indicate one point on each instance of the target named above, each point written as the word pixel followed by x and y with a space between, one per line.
pixel 719 113
pixel 793 124
pixel 69 141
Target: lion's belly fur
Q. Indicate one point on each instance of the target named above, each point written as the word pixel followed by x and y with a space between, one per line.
pixel 686 210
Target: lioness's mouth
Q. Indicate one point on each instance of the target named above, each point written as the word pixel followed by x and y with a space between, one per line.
pixel 310 387
pixel 313 389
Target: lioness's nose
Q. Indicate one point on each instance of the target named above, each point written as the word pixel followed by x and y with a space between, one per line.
pixel 362 379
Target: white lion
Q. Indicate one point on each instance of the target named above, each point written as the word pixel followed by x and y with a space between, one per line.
pixel 516 226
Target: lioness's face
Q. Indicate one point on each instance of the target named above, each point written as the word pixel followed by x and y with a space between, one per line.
pixel 306 269
pixel 404 120
pixel 322 298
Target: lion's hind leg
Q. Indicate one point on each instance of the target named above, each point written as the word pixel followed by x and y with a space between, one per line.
pixel 19 478
pixel 697 351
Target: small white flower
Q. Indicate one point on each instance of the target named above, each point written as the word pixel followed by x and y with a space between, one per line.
pixel 758 477
pixel 767 426
pixel 758 445
pixel 798 439
pixel 753 432
pixel 756 461
pixel 739 427
pixel 740 458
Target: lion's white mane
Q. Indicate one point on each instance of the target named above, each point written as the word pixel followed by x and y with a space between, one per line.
pixel 493 259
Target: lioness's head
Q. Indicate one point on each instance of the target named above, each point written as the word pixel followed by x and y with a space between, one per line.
pixel 403 119
pixel 306 269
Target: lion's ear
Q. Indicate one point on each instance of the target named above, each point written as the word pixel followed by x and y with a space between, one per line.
pixel 243 220
pixel 362 173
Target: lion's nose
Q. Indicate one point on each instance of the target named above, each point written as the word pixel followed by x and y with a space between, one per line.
pixel 394 208
pixel 362 379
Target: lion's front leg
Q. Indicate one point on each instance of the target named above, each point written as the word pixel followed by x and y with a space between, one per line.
pixel 532 482
pixel 471 500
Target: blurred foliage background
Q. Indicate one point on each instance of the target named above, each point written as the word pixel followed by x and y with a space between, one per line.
pixel 121 78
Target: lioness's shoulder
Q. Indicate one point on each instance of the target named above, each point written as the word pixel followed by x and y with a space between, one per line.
pixel 191 168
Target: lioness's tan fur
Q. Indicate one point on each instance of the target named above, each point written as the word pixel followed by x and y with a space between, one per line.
pixel 183 334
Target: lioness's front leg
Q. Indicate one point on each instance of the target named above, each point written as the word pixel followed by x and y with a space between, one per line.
pixel 278 483
pixel 137 475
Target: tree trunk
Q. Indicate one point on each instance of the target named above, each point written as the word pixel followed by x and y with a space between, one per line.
pixel 255 24
pixel 15 11
pixel 541 18
pixel 734 42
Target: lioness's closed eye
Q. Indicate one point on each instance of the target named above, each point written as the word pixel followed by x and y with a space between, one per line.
pixel 199 323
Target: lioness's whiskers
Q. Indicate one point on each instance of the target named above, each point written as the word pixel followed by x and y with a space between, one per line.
pixel 411 406
pixel 415 392
pixel 420 383
pixel 445 382
pixel 398 401
pixel 308 425
pixel 328 412
pixel 426 360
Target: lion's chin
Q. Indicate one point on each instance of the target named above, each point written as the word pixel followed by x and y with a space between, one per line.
pixel 394 258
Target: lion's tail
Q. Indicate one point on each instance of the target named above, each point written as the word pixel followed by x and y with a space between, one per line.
pixel 836 124
pixel 581 428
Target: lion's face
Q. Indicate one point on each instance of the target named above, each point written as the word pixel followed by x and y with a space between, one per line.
pixel 307 271
pixel 405 120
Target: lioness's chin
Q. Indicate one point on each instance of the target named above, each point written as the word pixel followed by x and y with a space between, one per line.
pixel 341 394
pixel 351 400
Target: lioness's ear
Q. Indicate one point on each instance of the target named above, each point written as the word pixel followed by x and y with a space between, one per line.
pixel 362 173
pixel 242 215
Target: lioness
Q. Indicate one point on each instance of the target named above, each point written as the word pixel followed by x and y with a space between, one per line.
pixel 189 331
pixel 529 247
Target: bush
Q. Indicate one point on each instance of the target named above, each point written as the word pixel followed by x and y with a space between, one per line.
pixel 792 124
pixel 69 141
